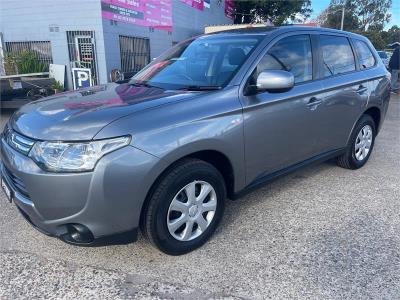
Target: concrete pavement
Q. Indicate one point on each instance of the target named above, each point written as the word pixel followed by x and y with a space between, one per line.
pixel 322 232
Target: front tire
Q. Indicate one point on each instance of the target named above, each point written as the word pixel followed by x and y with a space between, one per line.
pixel 185 207
pixel 360 145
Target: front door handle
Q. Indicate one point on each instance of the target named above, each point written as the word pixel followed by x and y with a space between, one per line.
pixel 361 89
pixel 314 101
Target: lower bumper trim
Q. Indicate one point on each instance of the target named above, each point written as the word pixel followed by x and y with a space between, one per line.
pixel 123 238
pixel 86 238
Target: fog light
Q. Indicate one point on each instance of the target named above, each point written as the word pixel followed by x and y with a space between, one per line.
pixel 78 234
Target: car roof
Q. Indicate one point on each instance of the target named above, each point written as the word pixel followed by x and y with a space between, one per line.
pixel 267 30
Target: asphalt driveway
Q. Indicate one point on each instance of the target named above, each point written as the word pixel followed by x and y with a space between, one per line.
pixel 322 232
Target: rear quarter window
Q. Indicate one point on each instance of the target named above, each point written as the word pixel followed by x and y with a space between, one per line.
pixel 365 57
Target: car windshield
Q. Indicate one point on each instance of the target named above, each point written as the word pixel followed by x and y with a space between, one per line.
pixel 206 62
pixel 382 54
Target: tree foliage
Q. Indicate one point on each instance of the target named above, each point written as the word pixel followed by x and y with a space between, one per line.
pixel 380 38
pixel 359 14
pixel 276 11
pixel 373 12
pixel 366 17
pixel 392 35
pixel 332 16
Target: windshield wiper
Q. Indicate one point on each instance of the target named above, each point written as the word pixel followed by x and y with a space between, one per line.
pixel 201 88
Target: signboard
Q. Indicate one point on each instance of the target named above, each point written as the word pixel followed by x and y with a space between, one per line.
pixel 57 72
pixel 198 4
pixel 81 78
pixel 229 9
pixel 149 13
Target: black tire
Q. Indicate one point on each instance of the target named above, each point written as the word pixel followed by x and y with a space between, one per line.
pixel 348 160
pixel 154 223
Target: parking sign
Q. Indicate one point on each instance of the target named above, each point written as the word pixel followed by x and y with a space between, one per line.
pixel 81 77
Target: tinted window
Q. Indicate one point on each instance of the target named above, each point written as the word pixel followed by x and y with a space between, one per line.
pixel 234 56
pixel 292 54
pixel 337 55
pixel 365 57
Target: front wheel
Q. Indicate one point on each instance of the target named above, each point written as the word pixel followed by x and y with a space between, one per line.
pixel 185 207
pixel 360 144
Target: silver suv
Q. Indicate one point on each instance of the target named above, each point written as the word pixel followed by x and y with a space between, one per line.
pixel 210 119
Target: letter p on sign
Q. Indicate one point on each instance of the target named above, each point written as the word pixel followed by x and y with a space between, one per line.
pixel 81 77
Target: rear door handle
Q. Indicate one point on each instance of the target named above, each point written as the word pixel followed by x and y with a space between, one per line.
pixel 361 89
pixel 314 101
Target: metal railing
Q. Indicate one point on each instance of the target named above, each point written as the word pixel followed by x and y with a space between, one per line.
pixel 82 51
pixel 40 49
pixel 135 53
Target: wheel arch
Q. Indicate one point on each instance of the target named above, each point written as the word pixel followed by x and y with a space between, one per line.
pixel 214 157
pixel 375 113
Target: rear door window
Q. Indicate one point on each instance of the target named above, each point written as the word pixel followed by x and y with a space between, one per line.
pixel 365 57
pixel 337 55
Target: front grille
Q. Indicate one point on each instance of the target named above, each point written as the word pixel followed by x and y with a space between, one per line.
pixel 16 182
pixel 17 141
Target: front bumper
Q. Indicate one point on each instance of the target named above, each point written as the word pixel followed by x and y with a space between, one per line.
pixel 105 204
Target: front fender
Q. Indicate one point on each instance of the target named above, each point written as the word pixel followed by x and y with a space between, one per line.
pixel 210 121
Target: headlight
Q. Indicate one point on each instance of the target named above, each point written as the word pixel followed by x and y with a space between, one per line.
pixel 74 157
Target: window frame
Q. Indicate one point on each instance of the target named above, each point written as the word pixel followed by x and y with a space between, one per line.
pixel 314 50
pixel 321 58
pixel 353 44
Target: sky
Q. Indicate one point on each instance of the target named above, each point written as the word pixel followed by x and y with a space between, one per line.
pixel 319 5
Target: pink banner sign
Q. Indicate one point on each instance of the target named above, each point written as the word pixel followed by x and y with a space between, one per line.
pixel 148 13
pixel 229 9
pixel 198 4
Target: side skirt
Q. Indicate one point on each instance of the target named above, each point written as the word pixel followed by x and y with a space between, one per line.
pixel 264 179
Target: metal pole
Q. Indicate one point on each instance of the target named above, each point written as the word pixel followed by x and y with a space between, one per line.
pixel 341 23
pixel 2 57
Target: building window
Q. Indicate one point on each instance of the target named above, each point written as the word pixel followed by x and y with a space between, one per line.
pixel 135 53
pixel 82 51
pixel 39 49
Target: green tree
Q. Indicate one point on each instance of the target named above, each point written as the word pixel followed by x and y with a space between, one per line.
pixel 375 37
pixel 332 16
pixel 373 12
pixel 392 35
pixel 361 15
pixel 276 11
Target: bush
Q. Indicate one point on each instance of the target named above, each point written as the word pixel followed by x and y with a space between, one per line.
pixel 27 62
pixel 57 86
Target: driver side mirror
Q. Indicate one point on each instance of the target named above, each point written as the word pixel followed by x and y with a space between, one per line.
pixel 275 81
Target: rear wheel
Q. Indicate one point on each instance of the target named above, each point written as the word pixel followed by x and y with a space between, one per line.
pixel 185 207
pixel 360 144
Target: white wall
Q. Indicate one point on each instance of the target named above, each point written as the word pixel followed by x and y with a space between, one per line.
pixel 29 20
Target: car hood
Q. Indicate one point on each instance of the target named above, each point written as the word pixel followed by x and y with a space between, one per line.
pixel 79 115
